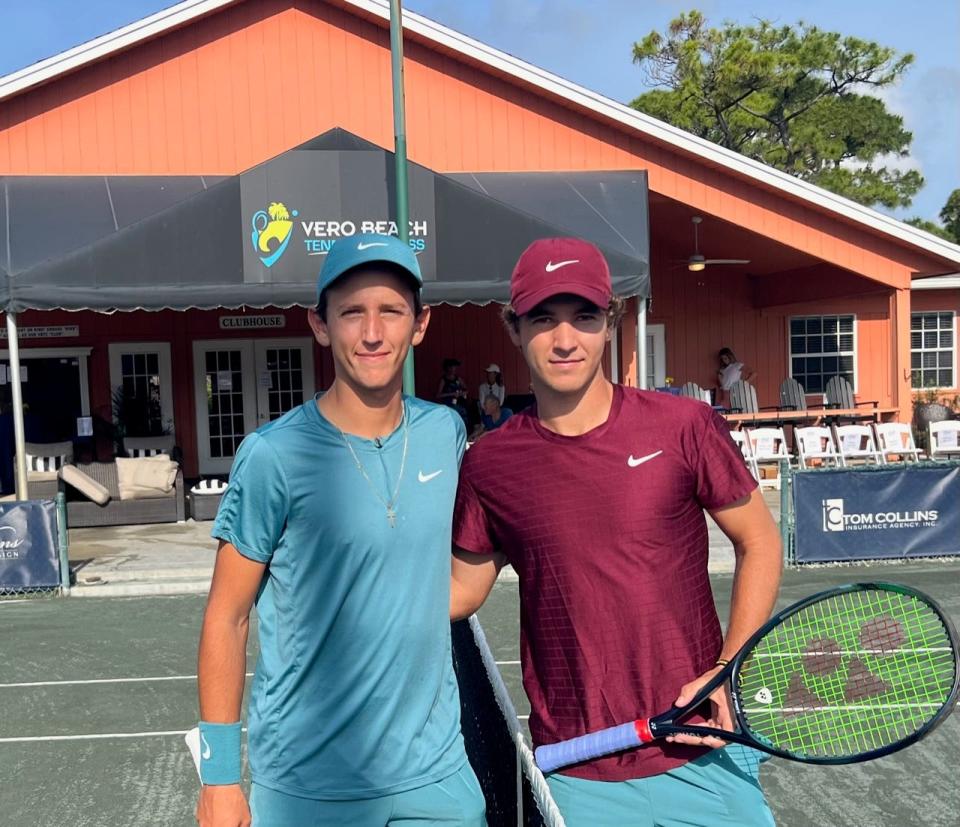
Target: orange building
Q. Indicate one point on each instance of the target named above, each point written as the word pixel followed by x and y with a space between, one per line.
pixel 215 87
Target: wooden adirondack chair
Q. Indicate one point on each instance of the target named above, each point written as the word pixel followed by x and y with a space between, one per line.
pixel 692 390
pixel 792 397
pixel 743 398
pixel 839 394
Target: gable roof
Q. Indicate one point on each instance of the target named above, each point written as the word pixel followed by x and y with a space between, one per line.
pixel 474 51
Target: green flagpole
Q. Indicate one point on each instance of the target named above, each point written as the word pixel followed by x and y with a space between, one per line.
pixel 400 156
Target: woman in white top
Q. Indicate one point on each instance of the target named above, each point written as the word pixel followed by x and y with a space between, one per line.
pixel 493 386
pixel 730 371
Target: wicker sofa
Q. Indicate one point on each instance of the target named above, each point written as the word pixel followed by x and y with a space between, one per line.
pixel 82 512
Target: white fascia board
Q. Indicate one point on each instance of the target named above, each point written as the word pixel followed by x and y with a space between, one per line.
pixel 951 282
pixel 507 64
pixel 105 45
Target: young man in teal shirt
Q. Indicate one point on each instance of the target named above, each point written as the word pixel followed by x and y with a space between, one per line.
pixel 337 525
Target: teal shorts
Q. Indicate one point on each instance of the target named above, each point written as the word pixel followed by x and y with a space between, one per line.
pixel 720 789
pixel 456 800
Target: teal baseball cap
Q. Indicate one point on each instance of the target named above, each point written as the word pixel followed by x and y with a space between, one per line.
pixel 367 248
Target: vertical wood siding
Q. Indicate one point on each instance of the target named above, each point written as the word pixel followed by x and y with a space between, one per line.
pixel 246 84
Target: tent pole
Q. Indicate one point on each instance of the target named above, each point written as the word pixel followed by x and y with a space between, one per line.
pixel 400 157
pixel 615 357
pixel 642 343
pixel 13 345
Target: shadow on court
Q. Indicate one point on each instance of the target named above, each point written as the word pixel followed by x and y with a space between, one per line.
pixel 96 693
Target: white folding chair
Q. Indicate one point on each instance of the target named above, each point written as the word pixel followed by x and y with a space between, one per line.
pixel 740 438
pixel 768 446
pixel 944 439
pixel 815 447
pixel 856 445
pixel 895 439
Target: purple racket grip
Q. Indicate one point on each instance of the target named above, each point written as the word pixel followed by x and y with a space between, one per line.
pixel 553 756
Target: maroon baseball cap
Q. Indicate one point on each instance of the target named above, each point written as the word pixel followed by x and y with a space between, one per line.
pixel 551 266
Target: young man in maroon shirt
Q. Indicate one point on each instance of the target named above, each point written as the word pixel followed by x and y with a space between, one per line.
pixel 596 498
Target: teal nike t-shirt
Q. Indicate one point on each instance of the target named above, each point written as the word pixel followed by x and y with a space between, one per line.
pixel 354 694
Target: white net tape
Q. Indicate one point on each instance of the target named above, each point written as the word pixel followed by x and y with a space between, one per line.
pixel 525 762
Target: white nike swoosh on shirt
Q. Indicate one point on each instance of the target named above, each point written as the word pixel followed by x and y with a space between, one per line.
pixel 633 462
pixel 207 752
pixel 427 477
pixel 362 246
pixel 550 267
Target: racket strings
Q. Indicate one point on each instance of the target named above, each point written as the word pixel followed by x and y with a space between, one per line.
pixel 850 674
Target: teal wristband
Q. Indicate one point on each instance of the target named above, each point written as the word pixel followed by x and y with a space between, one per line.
pixel 219 753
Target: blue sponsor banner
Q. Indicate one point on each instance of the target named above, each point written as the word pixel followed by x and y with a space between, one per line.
pixel 29 557
pixel 866 514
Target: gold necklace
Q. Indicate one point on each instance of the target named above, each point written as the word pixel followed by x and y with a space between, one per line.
pixel 391 504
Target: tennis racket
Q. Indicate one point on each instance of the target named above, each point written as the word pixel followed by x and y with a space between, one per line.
pixel 849 674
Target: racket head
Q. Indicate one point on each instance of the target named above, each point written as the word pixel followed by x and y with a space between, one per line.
pixel 850 674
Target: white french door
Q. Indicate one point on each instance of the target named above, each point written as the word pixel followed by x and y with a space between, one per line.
pixel 239 385
pixel 656 356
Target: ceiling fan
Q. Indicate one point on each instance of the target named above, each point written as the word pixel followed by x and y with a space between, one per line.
pixel 698 262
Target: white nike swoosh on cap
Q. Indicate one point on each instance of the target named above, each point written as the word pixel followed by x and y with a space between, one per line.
pixel 207 752
pixel 551 266
pixel 633 462
pixel 427 477
pixel 368 245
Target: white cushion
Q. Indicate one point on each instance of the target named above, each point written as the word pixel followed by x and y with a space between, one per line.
pixel 146 477
pixel 139 453
pixel 44 464
pixel 87 486
pixel 148 446
pixel 45 459
pixel 209 487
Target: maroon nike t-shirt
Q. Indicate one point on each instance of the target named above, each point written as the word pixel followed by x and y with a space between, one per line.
pixel 608 536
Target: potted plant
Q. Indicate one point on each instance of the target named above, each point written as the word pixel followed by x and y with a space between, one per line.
pixel 135 416
pixel 930 405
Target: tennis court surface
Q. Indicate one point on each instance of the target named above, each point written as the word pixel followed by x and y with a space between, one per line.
pixel 95 696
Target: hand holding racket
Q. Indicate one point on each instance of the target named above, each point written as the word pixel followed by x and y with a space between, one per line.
pixel 847 675
pixel 721 709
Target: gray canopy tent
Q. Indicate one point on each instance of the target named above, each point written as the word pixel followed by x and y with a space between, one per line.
pixel 258 239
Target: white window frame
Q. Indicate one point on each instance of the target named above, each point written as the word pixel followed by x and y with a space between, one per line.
pixel 953 348
pixel 856 349
pixel 116 350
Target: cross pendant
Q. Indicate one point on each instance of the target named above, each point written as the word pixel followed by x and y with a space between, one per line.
pixel 392 517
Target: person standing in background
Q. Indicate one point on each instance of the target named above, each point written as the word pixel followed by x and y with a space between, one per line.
pixel 731 370
pixel 451 390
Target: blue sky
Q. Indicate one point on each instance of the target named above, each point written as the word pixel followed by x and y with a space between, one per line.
pixel 589 42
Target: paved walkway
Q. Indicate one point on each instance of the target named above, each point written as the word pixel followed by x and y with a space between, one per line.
pixel 177 558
